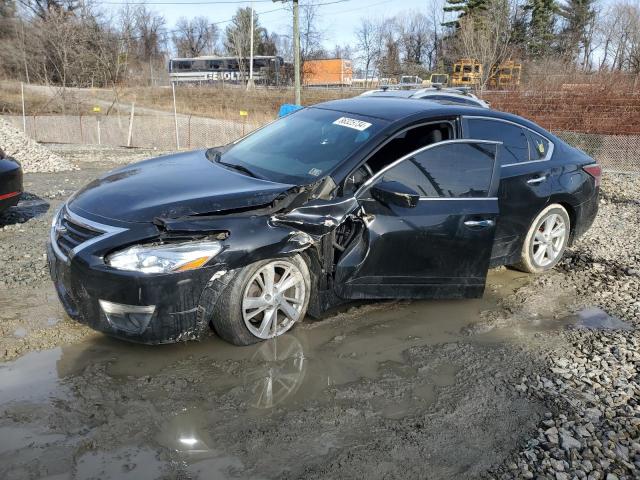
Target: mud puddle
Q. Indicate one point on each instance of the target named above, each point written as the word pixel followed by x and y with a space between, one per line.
pixel 108 409
pixel 597 319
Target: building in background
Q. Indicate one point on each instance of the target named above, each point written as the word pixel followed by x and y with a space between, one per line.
pixel 328 72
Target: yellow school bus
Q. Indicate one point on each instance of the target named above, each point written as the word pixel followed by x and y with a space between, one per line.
pixel 505 75
pixel 466 72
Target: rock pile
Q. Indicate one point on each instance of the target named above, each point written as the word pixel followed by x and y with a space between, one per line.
pixel 33 157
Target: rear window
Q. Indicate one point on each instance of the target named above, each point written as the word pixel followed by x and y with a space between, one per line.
pixel 515 144
pixel 538 146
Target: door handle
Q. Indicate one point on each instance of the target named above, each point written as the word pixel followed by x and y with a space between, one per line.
pixel 535 181
pixel 479 223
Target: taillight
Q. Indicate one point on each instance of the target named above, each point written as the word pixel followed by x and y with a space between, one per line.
pixel 595 171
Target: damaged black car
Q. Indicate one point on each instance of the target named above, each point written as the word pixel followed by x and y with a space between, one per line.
pixel 366 198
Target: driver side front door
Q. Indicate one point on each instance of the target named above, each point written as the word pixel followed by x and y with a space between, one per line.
pixel 429 225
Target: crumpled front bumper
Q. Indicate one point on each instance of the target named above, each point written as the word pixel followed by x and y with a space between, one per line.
pixel 175 297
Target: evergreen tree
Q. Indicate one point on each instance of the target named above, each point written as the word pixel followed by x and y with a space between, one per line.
pixel 541 27
pixel 237 39
pixel 463 7
pixel 575 36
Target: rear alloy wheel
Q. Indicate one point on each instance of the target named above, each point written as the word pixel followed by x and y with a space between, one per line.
pixel 546 240
pixel 264 301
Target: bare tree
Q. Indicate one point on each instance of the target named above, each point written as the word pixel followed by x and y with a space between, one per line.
pixel 486 37
pixel 310 34
pixel 620 37
pixel 343 51
pixel 44 8
pixel 389 62
pixel 150 33
pixel 368 41
pixel 415 32
pixel 194 37
pixel 436 15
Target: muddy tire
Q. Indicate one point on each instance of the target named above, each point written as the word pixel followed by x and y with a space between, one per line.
pixel 263 301
pixel 546 240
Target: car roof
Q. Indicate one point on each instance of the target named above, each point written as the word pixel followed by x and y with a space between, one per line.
pixel 425 93
pixel 395 109
pixel 389 93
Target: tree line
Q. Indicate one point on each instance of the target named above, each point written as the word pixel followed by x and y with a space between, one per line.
pixel 77 43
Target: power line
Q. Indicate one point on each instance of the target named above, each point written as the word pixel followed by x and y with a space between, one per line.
pixel 361 8
pixel 210 2
pixel 213 2
pixel 169 32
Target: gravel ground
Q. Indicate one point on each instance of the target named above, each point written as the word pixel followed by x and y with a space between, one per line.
pixel 592 386
pixel 515 395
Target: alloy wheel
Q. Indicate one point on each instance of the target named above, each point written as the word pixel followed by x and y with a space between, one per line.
pixel 549 240
pixel 273 299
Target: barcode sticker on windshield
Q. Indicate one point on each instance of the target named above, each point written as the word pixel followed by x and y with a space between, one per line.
pixel 352 123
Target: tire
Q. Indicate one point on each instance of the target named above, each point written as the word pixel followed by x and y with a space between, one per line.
pixel 531 258
pixel 243 314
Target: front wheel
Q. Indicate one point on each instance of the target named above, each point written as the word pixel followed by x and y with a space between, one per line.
pixel 264 301
pixel 546 240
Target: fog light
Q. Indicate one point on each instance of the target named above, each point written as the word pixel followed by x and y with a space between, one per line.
pixel 129 318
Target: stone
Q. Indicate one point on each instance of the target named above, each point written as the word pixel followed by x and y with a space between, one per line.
pixel 568 442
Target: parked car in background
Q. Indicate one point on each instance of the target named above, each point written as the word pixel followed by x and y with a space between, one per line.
pixel 458 96
pixel 10 181
pixel 364 198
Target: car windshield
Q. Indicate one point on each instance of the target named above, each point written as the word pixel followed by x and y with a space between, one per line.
pixel 303 146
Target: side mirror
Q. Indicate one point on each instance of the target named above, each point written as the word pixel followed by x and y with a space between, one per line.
pixel 395 193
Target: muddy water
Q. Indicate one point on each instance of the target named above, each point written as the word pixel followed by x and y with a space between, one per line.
pixel 108 409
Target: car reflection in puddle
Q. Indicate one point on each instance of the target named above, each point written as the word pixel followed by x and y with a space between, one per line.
pixel 279 370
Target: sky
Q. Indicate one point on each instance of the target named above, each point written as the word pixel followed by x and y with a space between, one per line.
pixel 338 18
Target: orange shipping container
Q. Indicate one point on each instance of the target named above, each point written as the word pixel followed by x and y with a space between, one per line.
pixel 335 71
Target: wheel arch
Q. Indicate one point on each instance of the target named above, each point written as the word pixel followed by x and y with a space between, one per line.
pixel 571 207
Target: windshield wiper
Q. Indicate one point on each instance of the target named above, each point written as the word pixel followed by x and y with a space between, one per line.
pixel 239 168
pixel 215 155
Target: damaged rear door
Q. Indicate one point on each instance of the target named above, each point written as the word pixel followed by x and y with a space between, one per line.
pixel 428 225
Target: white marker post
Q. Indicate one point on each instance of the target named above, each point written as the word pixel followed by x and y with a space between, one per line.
pixel 175 114
pixel 24 117
pixel 133 107
pixel 250 82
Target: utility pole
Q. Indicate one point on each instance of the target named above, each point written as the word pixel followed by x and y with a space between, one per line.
pixel 250 84
pixel 296 48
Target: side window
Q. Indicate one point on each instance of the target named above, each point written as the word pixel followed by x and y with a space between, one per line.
pixel 515 145
pixel 409 141
pixel 455 170
pixel 538 146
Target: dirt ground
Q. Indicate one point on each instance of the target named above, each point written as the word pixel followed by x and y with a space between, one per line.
pixel 430 389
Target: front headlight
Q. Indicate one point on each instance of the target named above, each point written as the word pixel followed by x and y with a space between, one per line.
pixel 176 257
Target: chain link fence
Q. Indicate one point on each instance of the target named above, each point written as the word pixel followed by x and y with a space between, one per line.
pixel 164 132
pixel 613 152
pixel 169 132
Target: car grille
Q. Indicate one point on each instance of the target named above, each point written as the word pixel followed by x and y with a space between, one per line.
pixel 69 234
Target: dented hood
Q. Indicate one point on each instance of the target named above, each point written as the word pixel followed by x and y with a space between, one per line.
pixel 173 186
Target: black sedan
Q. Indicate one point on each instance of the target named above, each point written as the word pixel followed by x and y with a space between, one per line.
pixel 366 198
pixel 10 181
